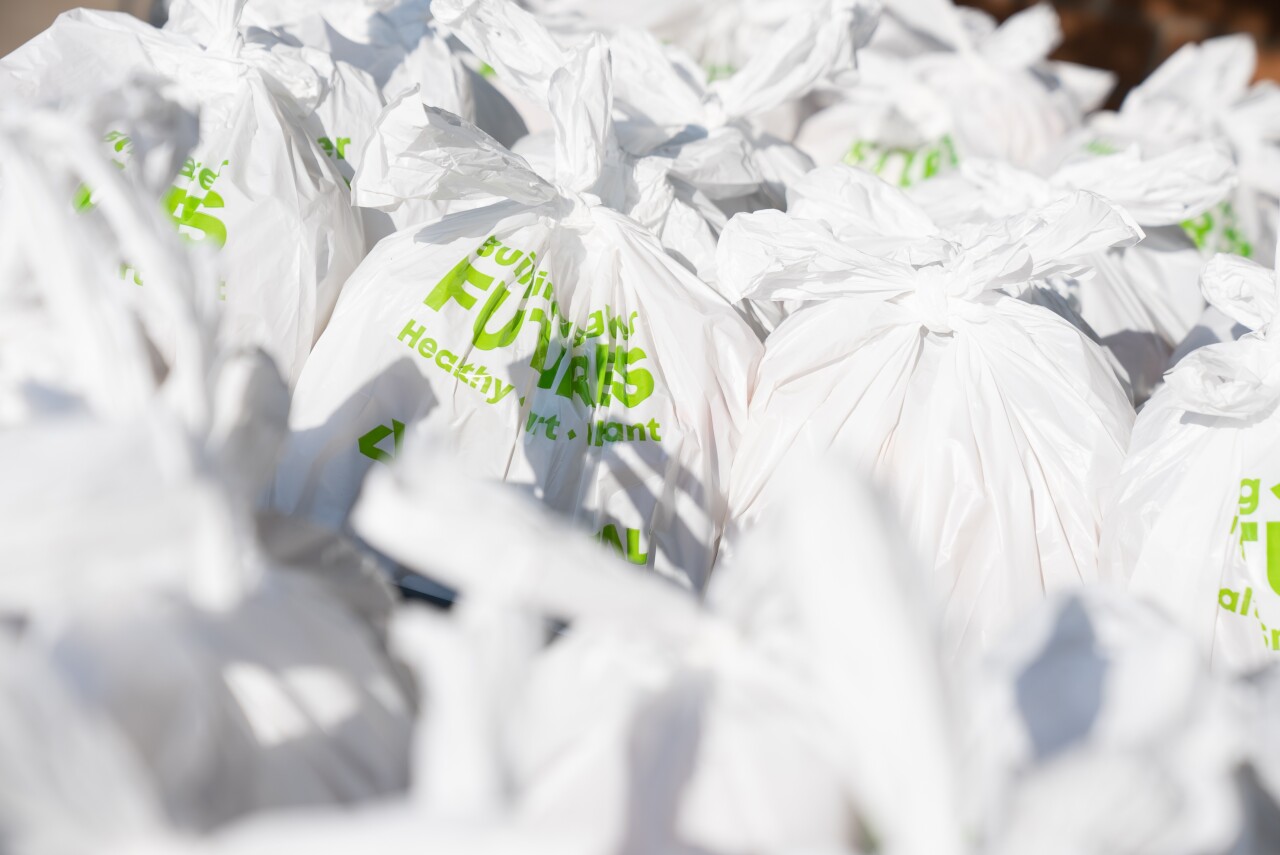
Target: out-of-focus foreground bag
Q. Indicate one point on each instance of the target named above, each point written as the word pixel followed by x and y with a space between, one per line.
pixel 257 186
pixel 133 566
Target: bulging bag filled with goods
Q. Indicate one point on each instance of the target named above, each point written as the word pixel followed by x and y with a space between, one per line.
pixel 1203 92
pixel 655 723
pixel 563 348
pixel 257 188
pixel 972 89
pixel 1190 527
pixel 996 426
pixel 1141 300
pixel 342 102
pixel 132 561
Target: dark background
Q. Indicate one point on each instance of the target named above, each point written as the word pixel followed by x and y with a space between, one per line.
pixel 1132 37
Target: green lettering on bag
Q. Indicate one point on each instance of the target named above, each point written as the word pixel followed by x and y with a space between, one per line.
pixel 451 286
pixel 1218 230
pixel 609 535
pixel 912 164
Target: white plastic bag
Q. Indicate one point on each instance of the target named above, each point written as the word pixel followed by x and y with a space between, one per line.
pixel 72 782
pixel 722 36
pixel 995 426
pixel 1204 92
pixel 652 724
pixel 563 348
pixel 969 89
pixel 1141 301
pixel 394 42
pixel 815 45
pixel 132 564
pixel 1096 727
pixel 256 187
pixel 1189 527
pixel 688 148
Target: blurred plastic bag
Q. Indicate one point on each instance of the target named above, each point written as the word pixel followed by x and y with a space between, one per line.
pixel 71 781
pixel 342 100
pixel 654 725
pixel 132 562
pixel 710 123
pixel 257 187
pixel 395 42
pixel 1096 727
pixel 1204 92
pixel 721 35
pixel 969 89
pixel 614 385
pixel 996 426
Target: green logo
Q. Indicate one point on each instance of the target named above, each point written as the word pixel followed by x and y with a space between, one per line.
pixel 369 442
pixel 910 165
pixel 720 71
pixel 1218 230
pixel 609 535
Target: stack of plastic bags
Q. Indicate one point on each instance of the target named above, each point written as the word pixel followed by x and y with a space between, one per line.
pixel 565 427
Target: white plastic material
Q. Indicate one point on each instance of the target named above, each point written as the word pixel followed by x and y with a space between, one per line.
pixel 686 144
pixel 1095 726
pixel 396 43
pixel 657 723
pixel 972 92
pixel 1141 301
pixel 816 44
pixel 561 347
pixel 257 185
pixel 1203 92
pixel 996 426
pixel 1190 528
pixel 132 567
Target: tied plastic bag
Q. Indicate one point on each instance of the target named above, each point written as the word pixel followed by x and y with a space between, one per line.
pixel 712 129
pixel 721 36
pixel 534 44
pixel 995 426
pixel 349 101
pixel 1142 300
pixel 966 88
pixel 257 188
pixel 686 148
pixel 1189 528
pixel 81 359
pixel 652 724
pixel 563 348
pixel 133 565
pixel 1203 92
pixel 395 41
